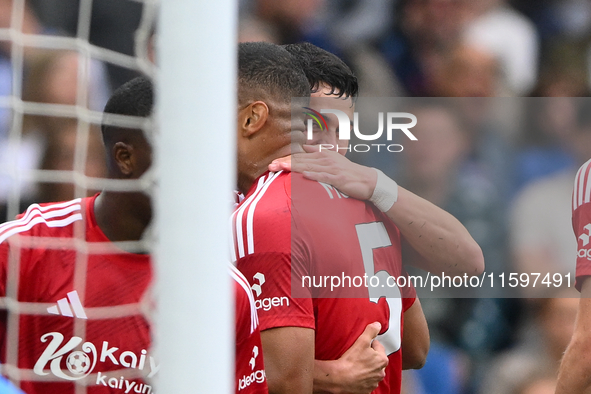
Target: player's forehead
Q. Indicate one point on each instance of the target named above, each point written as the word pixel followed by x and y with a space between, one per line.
pixel 324 98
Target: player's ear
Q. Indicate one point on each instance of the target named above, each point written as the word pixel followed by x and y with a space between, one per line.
pixel 123 156
pixel 253 117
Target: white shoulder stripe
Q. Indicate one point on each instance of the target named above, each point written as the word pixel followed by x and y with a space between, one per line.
pixel 237 218
pixel 576 182
pixel 46 215
pixel 49 218
pixel 250 215
pixel 238 277
pixel 35 209
pixel 586 197
pixel 50 223
pixel 232 240
pixel 582 186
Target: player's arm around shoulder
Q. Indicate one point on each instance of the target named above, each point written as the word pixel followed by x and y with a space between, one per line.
pixel 434 240
pixel 289 359
pixel 574 375
pixel 437 241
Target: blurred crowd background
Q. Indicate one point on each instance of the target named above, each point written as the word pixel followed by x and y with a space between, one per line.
pixel 499 152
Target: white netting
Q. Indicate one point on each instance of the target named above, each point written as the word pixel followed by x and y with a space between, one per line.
pixel 27 172
pixel 87 109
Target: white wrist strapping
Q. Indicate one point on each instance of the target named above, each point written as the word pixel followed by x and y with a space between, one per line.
pixel 386 192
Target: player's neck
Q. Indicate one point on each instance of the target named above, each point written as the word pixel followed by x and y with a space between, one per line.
pixel 247 178
pixel 123 216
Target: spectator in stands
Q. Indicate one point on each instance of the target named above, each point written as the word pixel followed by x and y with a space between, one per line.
pixel 30 25
pixel 113 24
pixel 469 72
pixel 425 33
pixel 466 71
pixel 51 78
pixel 294 21
pixel 60 155
pixel 563 72
pixel 438 168
pixel 285 22
pixel 538 354
pixel 546 146
pixel 251 29
pixel 445 372
pixel 550 120
pixel 542 238
pixel 540 385
pixel 510 37
pixel 357 21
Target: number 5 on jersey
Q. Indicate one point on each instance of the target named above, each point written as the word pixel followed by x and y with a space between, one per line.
pixel 372 236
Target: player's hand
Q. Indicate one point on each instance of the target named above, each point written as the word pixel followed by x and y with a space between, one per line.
pixel 362 365
pixel 330 167
pixel 282 163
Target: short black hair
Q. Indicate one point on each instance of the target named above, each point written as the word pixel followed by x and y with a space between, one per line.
pixel 322 66
pixel 266 69
pixel 134 98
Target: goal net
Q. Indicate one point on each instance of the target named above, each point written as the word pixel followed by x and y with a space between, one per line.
pixel 56 73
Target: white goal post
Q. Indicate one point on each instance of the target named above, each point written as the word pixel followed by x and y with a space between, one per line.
pixel 195 161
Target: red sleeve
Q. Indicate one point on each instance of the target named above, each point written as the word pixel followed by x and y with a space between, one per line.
pixel 3 267
pixel 3 321
pixel 250 370
pixel 270 275
pixel 264 250
pixel 582 222
pixel 407 303
pixel 582 229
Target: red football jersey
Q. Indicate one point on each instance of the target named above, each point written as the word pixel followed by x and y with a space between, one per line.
pixel 582 222
pixel 291 234
pixel 250 370
pixel 81 304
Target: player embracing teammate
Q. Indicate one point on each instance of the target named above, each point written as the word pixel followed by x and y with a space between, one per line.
pixel 288 227
pixel 60 331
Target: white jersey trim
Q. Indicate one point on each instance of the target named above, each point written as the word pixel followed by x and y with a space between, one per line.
pixel 65 214
pixel 249 206
pixel 241 280
pixel 35 208
pixel 236 221
pixel 582 186
pixel 250 214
